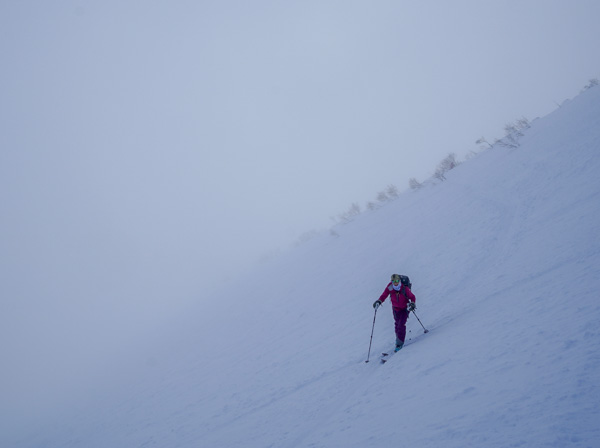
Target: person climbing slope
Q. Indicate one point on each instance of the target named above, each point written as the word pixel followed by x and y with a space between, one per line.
pixel 403 302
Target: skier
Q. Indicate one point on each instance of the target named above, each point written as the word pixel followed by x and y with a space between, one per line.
pixel 403 302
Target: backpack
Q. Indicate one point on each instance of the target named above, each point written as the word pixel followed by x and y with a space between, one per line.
pixel 406 281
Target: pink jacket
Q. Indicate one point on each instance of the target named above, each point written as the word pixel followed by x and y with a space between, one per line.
pixel 400 298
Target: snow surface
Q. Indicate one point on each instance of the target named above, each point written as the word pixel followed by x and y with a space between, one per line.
pixel 504 257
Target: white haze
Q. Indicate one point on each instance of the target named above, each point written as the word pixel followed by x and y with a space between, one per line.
pixel 504 257
pixel 151 150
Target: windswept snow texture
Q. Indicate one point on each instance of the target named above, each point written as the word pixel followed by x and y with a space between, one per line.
pixel 504 257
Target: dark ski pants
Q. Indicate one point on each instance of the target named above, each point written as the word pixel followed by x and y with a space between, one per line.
pixel 400 318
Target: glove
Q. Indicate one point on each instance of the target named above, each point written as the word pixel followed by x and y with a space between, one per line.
pixel 377 304
pixel 411 306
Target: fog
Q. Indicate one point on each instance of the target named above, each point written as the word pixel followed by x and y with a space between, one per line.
pixel 151 150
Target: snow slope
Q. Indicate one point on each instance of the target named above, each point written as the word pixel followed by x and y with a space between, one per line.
pixel 505 261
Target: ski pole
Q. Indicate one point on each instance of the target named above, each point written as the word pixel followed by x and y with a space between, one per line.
pixel 372 329
pixel 425 329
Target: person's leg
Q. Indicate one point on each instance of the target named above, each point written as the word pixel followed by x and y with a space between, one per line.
pixel 400 318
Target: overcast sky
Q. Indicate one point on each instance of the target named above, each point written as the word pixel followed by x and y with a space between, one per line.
pixel 236 126
pixel 151 148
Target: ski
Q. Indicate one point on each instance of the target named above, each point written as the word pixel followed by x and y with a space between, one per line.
pixel 385 356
